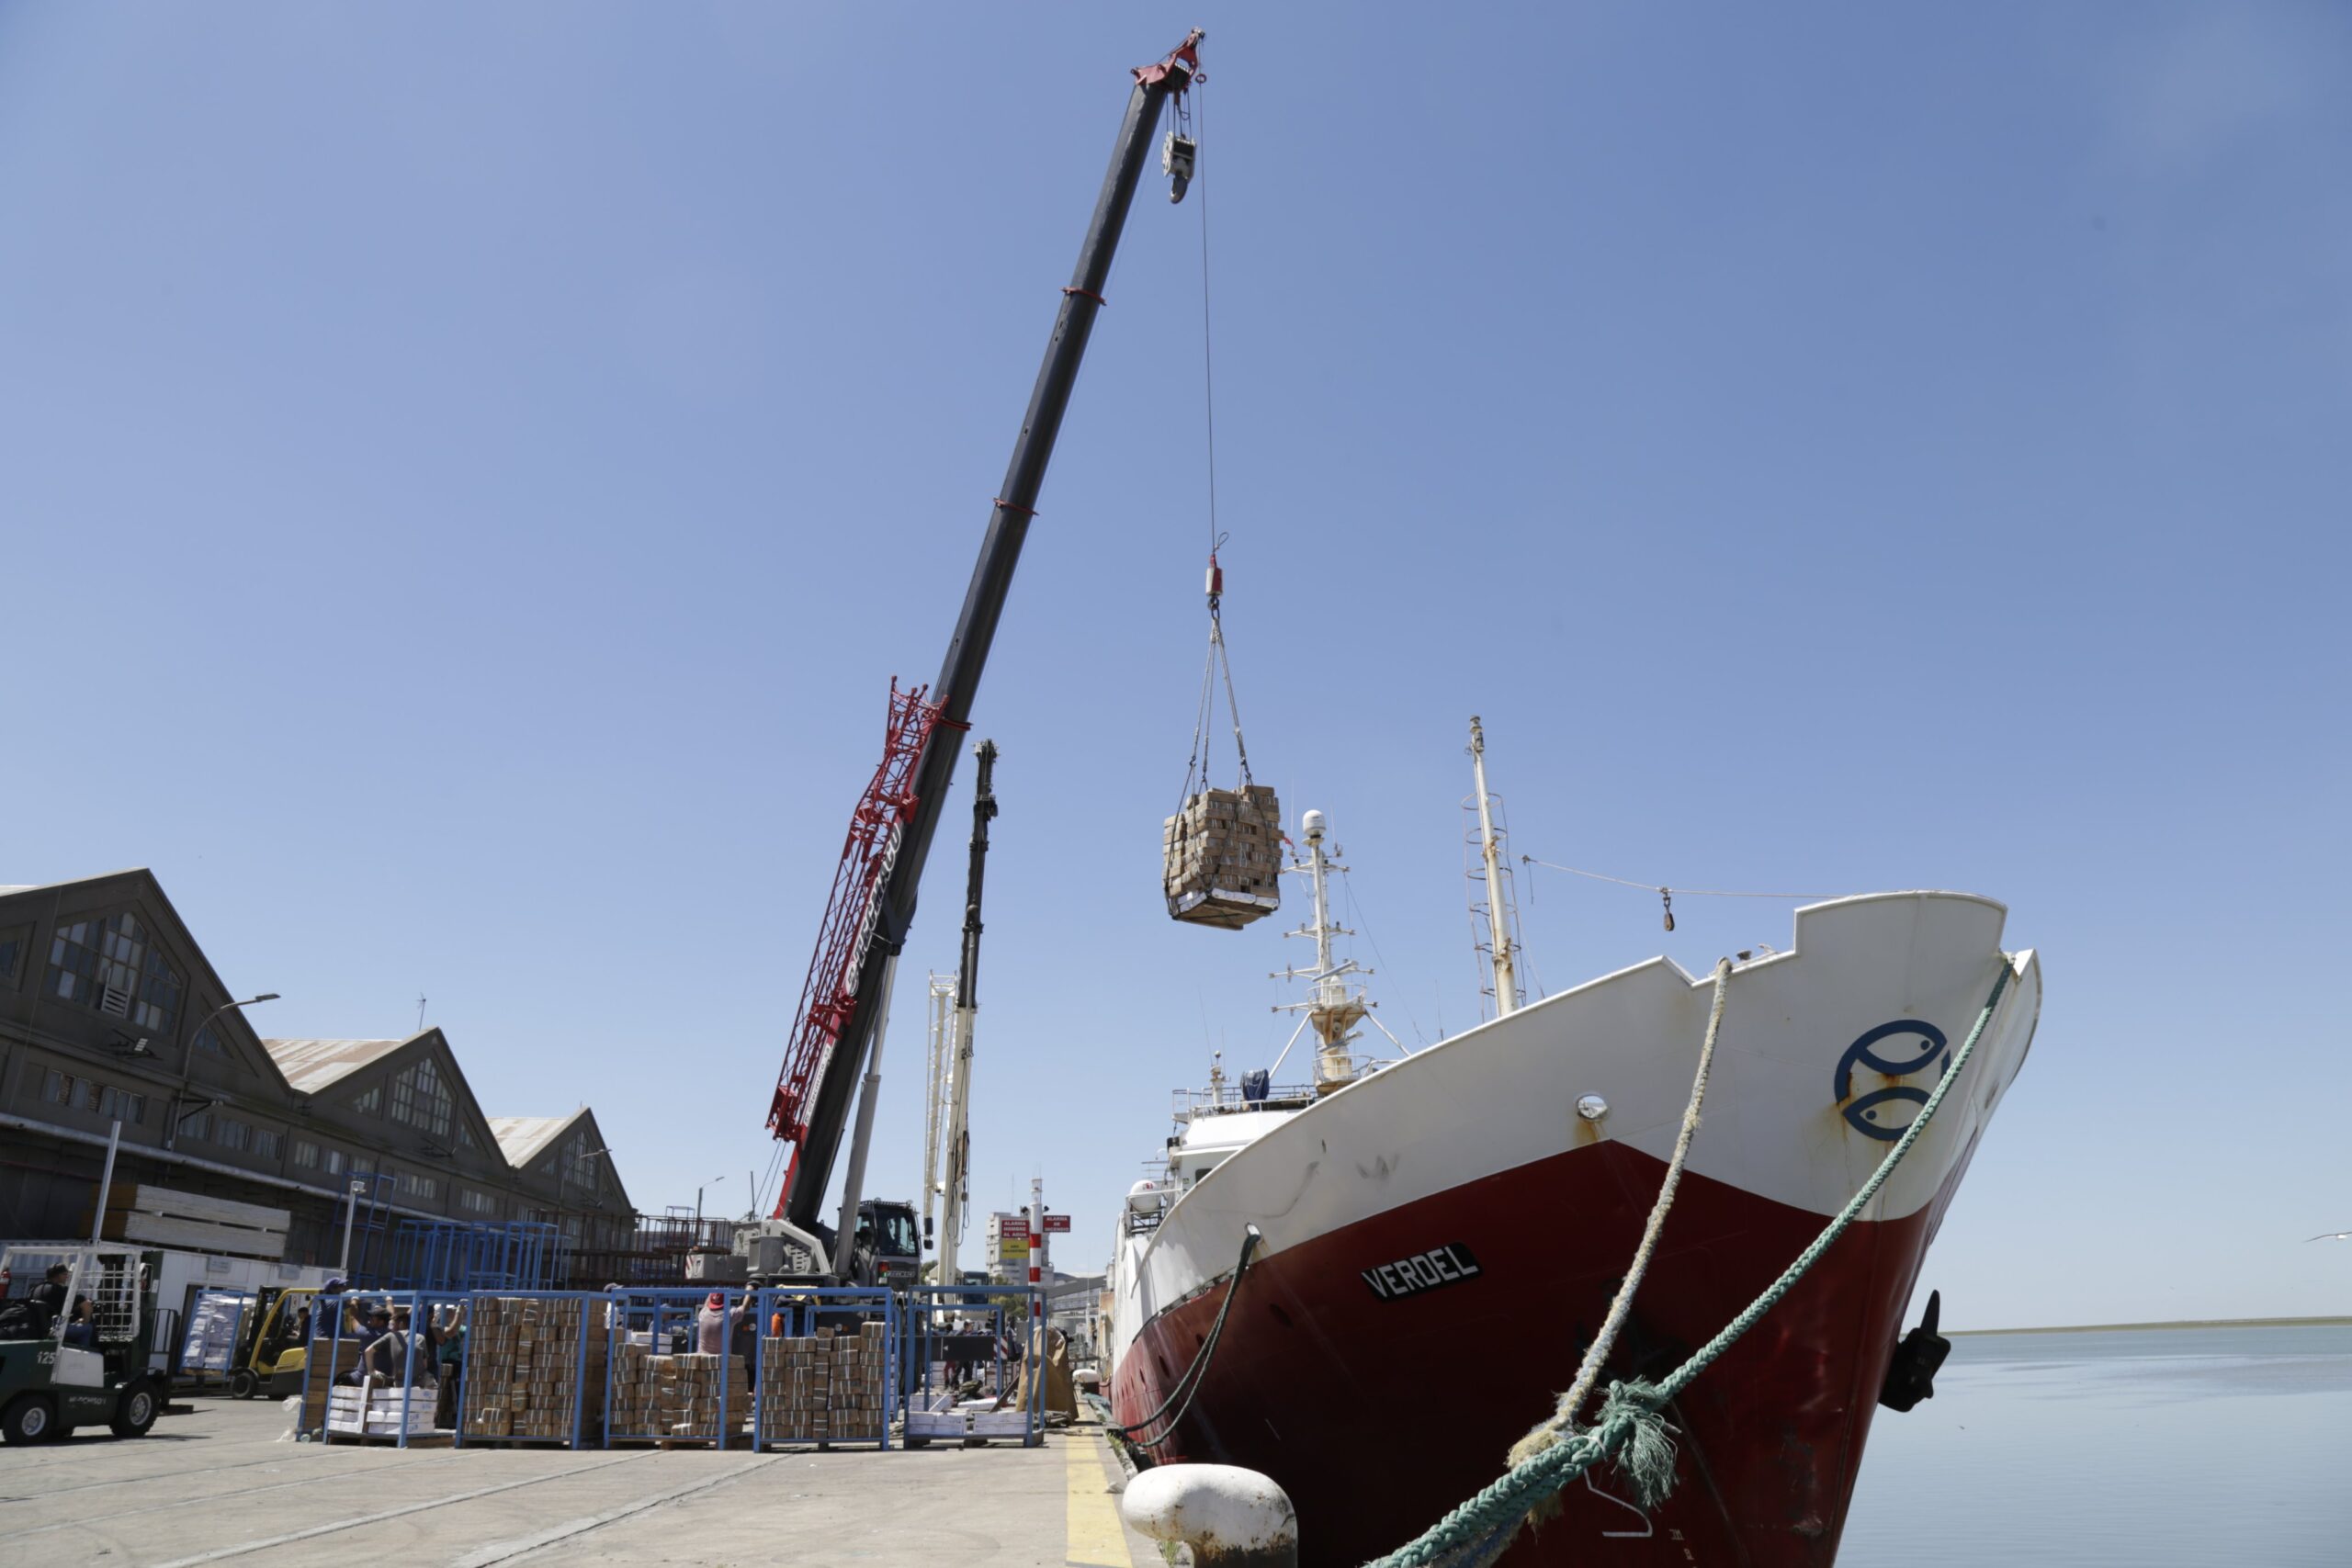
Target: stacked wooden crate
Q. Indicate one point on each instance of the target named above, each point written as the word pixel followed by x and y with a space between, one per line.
pixel 709 1388
pixel 638 1400
pixel 857 1385
pixel 678 1396
pixel 192 1222
pixel 1221 857
pixel 795 1386
pixel 526 1359
pixel 824 1388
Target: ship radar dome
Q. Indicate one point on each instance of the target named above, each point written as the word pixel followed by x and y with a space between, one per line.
pixel 1312 823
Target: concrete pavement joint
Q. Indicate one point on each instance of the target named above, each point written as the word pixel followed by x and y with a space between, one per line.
pixel 507 1550
pixel 209 1497
pixel 251 1546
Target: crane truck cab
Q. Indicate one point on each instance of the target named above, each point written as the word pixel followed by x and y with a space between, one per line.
pixel 59 1372
pixel 888 1245
pixel 886 1250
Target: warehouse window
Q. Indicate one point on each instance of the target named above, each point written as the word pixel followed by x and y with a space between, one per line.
pixel 415 1186
pixel 306 1154
pixel 110 966
pixel 370 1102
pixel 421 1100
pixel 334 1162
pixel 120 1102
pixel 198 1125
pixel 475 1202
pixel 58 1088
pixel 208 1038
pixel 576 1169
pixel 234 1135
pixel 266 1143
pixel 13 942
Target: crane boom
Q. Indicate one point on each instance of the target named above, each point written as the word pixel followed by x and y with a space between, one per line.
pixel 967 1004
pixel 819 1128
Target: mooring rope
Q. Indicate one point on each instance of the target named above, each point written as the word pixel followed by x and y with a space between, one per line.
pixel 1629 1428
pixel 1564 1418
pixel 1201 1359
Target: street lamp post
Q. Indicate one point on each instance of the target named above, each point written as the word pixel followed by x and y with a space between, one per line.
pixel 350 1213
pixel 712 1182
pixel 187 1062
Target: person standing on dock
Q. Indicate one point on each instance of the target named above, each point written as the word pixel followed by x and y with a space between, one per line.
pixel 714 1322
pixel 451 1354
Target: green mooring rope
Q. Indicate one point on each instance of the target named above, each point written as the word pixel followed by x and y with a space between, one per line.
pixel 1629 1428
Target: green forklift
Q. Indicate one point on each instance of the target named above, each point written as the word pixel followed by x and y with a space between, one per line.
pixel 77 1328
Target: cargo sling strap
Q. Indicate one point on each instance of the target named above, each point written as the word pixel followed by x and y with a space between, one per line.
pixel 1196 772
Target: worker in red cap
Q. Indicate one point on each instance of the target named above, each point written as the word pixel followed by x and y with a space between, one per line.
pixel 713 1322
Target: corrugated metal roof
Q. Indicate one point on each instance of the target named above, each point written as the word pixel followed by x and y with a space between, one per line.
pixel 523 1139
pixel 313 1065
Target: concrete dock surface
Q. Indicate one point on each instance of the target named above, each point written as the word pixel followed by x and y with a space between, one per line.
pixel 218 1485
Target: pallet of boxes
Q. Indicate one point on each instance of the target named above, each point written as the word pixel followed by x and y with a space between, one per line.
pixel 528 1367
pixel 1222 857
pixel 826 1388
pixel 376 1412
pixel 328 1359
pixel 678 1399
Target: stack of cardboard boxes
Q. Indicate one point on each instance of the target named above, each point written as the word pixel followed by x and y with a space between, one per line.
pixel 826 1388
pixel 701 1384
pixel 678 1396
pixel 1222 857
pixel 526 1360
pixel 327 1359
pixel 795 1389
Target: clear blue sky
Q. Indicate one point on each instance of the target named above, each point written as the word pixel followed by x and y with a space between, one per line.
pixel 468 475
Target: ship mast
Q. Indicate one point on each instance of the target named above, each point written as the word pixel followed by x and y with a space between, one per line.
pixel 1336 1006
pixel 1500 947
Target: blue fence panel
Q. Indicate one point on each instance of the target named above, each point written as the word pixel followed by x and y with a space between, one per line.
pixel 395 1397
pixel 512 1339
pixel 946 1334
pixel 783 1391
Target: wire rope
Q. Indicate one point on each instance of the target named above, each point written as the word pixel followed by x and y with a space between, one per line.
pixel 1663 888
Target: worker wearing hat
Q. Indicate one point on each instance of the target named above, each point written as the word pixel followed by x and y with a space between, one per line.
pixel 713 1322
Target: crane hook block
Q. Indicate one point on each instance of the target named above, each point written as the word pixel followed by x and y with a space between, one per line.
pixel 1176 158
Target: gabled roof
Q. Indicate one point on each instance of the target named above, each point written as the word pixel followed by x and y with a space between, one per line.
pixel 312 1065
pixel 138 882
pixel 523 1139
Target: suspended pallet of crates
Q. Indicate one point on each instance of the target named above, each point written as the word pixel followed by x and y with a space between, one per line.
pixel 1221 854
pixel 1223 858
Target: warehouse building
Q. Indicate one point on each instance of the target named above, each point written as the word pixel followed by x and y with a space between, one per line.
pixel 109 1011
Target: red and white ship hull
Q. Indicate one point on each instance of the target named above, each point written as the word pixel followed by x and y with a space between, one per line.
pixel 1442 1238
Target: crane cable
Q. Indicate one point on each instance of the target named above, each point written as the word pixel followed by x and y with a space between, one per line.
pixel 1197 771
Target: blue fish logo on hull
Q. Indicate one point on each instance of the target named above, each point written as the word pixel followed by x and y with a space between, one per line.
pixel 1871 1114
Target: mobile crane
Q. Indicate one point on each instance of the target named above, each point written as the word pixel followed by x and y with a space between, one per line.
pixel 844 1001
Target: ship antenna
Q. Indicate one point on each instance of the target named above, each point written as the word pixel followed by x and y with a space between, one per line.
pixel 1491 893
pixel 1336 1006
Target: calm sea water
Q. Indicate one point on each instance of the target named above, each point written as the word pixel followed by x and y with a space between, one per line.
pixel 2149 1448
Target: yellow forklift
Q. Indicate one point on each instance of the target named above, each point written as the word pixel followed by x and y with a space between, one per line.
pixel 274 1348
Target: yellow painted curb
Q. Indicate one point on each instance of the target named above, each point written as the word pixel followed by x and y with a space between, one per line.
pixel 1096 1537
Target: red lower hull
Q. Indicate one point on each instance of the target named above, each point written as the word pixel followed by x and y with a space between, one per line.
pixel 1377 1416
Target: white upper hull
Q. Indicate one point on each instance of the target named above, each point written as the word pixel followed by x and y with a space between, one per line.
pixel 1505 1094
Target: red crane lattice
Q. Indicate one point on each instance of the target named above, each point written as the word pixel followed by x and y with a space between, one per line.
pixel 829 996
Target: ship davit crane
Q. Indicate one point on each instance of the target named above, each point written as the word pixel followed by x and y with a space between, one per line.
pixel 845 997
